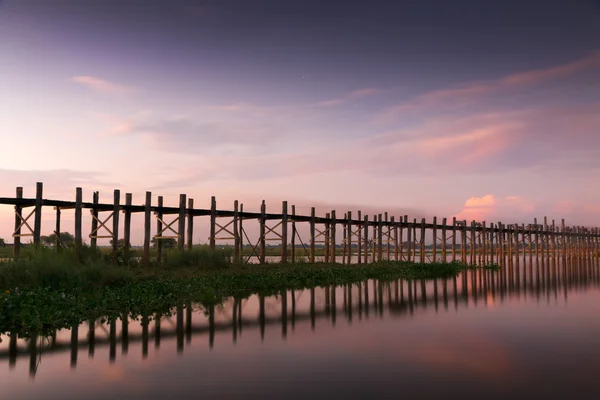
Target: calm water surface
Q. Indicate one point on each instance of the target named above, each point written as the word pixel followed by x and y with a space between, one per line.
pixel 524 332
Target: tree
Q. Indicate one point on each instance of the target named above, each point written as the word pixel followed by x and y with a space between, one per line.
pixel 2 243
pixel 168 243
pixel 65 237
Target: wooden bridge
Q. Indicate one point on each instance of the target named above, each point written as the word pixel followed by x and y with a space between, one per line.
pixel 363 238
pixel 369 299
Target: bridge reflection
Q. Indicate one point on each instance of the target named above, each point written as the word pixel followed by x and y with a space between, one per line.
pixel 548 281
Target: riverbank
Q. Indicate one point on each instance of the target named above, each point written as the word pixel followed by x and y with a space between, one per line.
pixel 45 292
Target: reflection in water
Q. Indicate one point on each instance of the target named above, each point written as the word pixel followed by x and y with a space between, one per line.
pixel 544 281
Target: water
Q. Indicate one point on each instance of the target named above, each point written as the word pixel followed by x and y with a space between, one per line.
pixel 525 333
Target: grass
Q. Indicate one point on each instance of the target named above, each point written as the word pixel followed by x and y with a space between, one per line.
pixel 45 291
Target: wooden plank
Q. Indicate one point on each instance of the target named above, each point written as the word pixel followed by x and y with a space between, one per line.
pixel 57 231
pixel 17 231
pixel 453 239
pixel 262 254
pixel 312 235
pixel 327 234
pixel 422 244
pixel 366 236
pixel 147 227
pixel 78 212
pixel 95 199
pixel 37 222
pixel 333 238
pixel 127 222
pixel 159 227
pixel 236 233
pixel 379 237
pixel 190 226
pixel 359 238
pixel 284 231
pixel 181 222
pixel 349 236
pixel 434 232
pixel 213 221
pixel 294 233
pixel 115 238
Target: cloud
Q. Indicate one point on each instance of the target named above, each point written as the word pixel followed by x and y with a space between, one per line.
pixel 100 85
pixel 492 208
pixel 357 94
pixel 469 92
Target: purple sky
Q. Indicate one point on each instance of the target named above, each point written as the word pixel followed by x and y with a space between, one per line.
pixel 481 110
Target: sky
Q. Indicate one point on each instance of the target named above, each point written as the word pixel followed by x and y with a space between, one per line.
pixel 479 110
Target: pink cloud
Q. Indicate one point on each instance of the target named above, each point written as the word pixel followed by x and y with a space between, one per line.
pixel 492 208
pixel 100 85
pixel 350 96
pixel 470 91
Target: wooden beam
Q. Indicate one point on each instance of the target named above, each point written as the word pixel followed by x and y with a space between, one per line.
pixel 78 212
pixel 115 238
pixel 18 216
pixel 37 227
pixel 190 225
pixel 127 222
pixel 95 199
pixel 147 227
pixel 284 231
pixel 181 222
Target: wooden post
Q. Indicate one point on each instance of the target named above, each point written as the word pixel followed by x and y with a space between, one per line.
pixel 492 242
pixel 422 244
pixel 213 221
pixel 444 250
pixel 434 249
pixel 553 240
pixel 95 200
pixel 547 238
pixel 284 231
pixel 181 223
pixel 236 233
pixel 263 211
pixel 359 238
pixel 159 227
pixel 312 235
pixel 127 222
pixel 57 230
pixel 37 227
pixel 344 238
pixel 374 251
pixel 115 238
pixel 379 238
pixel 414 244
pixel 241 234
pixel 402 222
pixel 537 242
pixel 333 233
pixel 409 241
pixel 453 238
pixel 326 239
pixel 395 230
pixel 190 225
pixel 463 247
pixel 563 238
pixel 78 212
pixel 147 227
pixel 293 241
pixel 387 241
pixel 366 233
pixel 473 243
pixel 349 236
pixel 18 215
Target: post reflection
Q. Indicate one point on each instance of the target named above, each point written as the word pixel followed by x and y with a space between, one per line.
pixel 549 280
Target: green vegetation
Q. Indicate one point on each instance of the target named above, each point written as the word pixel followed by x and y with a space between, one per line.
pixel 44 291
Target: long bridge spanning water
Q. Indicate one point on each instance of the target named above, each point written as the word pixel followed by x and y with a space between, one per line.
pixel 363 239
